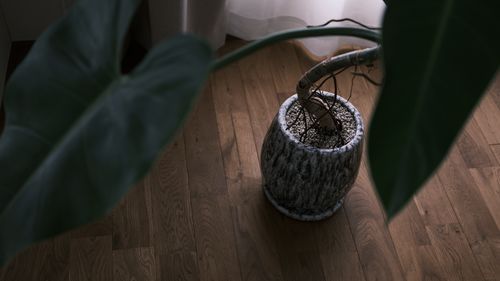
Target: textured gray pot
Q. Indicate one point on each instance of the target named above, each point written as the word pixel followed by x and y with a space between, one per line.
pixel 304 182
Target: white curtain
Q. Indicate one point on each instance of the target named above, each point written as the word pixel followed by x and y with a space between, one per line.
pixel 203 18
pixel 253 19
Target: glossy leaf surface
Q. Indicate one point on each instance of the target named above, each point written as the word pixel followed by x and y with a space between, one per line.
pixel 78 133
pixel 439 56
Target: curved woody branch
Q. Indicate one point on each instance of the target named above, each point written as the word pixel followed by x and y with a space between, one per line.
pixel 314 104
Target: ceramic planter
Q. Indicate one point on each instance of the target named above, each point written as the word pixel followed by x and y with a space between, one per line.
pixel 304 182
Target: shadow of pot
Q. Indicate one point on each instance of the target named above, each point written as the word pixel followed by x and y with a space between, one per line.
pixel 303 182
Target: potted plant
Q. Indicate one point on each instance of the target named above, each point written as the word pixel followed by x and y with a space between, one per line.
pixel 79 133
pixel 312 151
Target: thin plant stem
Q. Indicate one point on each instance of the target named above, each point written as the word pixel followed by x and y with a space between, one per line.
pixel 368 78
pixel 346 19
pixel 302 111
pixel 352 83
pixel 293 34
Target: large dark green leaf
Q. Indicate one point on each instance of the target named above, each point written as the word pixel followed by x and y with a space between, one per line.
pixel 439 57
pixel 78 133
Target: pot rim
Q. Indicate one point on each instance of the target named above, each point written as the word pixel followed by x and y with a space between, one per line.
pixel 358 136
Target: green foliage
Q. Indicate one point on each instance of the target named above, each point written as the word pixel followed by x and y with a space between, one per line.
pixel 439 57
pixel 78 133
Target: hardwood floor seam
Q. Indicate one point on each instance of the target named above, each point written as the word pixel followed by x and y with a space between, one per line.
pixel 462 227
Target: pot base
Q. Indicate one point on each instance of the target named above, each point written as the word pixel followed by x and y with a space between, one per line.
pixel 302 217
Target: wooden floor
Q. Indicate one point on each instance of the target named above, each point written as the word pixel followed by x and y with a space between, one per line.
pixel 201 215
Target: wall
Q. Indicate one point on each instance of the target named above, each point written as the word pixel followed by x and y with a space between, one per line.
pixel 4 51
pixel 167 18
pixel 155 20
pixel 26 19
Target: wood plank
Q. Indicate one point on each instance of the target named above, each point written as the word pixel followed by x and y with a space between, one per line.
pixel 337 249
pixel 305 61
pixel 494 90
pixel 215 241
pixel 471 210
pixel 437 212
pixel 172 223
pixel 427 264
pixel 149 203
pixel 310 267
pixel 433 204
pixel 376 250
pixel 224 95
pixel 465 198
pixel 408 234
pixel 214 235
pixel 467 202
pixel 178 266
pixel 364 94
pixel 488 182
pixel 47 260
pixel 495 247
pixel 488 112
pixel 260 93
pixel 254 222
pixel 100 227
pixel 238 147
pixel 448 238
pixel 16 268
pixel 285 67
pixel 296 245
pixel 136 264
pixel 251 218
pixel 496 151
pixel 91 259
pixel 488 252
pixel 474 148
pixel 52 259
pixel 203 152
pixel 421 263
pixel 486 116
pixel 131 220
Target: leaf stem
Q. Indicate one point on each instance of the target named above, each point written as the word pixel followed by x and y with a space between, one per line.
pixel 292 34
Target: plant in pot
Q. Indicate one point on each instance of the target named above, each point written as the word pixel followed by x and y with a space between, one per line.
pixel 79 133
pixel 312 151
